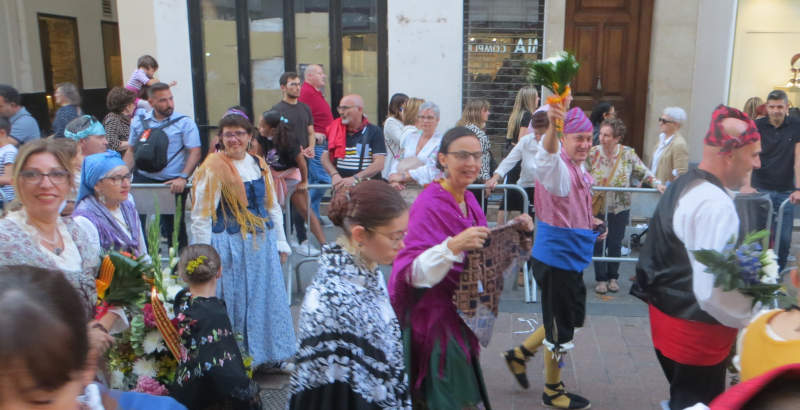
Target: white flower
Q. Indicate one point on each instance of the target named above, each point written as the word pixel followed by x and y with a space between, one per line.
pixel 769 269
pixel 144 367
pixel 153 342
pixel 172 291
pixel 117 379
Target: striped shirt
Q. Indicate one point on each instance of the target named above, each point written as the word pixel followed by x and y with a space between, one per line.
pixel 370 141
pixel 8 153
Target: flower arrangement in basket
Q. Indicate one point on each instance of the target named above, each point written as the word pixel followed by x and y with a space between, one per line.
pixel 555 73
pixel 750 269
pixel 144 357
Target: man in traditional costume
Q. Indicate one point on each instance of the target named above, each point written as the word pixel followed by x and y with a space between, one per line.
pixel 694 323
pixel 565 235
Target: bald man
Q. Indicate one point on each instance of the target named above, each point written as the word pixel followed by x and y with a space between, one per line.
pixel 693 323
pixel 311 94
pixel 356 148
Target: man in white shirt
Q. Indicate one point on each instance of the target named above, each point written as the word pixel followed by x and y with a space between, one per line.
pixel 694 323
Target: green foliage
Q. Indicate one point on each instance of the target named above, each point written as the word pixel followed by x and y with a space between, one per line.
pixel 559 69
pixel 128 286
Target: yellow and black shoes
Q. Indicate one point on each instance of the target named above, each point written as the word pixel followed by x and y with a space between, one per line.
pixel 555 396
pixel 515 359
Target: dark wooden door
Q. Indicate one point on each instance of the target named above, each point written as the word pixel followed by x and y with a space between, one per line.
pixel 611 39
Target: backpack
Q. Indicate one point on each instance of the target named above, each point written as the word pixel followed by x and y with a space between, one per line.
pixel 150 154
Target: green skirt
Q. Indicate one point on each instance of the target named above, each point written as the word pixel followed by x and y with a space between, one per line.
pixel 459 386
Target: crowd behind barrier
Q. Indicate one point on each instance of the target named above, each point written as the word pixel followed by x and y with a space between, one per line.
pixel 148 196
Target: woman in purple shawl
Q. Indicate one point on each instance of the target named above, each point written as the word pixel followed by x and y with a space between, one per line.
pixel 104 207
pixel 445 222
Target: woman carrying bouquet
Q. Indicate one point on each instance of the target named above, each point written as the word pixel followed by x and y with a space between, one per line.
pixel 235 210
pixel 694 323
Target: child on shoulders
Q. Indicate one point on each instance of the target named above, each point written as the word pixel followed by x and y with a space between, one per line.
pixel 212 373
pixel 143 77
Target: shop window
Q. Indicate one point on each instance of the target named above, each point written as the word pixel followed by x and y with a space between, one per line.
pixel 111 54
pixel 360 53
pixel 220 56
pixel 500 38
pixel 266 52
pixel 312 36
pixel 60 52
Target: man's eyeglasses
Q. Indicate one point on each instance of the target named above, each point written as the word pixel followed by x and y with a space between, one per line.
pixel 117 179
pixel 464 155
pixel 665 121
pixel 344 107
pixel 57 177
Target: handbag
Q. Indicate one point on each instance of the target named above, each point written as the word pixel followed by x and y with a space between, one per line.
pixel 599 198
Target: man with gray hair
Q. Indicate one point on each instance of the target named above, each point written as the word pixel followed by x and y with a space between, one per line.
pixel 311 95
pixel 356 148
pixel 24 127
pixel 671 157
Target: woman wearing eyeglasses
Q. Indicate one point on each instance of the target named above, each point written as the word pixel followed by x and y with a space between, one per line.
pixel 417 166
pixel 351 350
pixel 446 221
pixel 235 210
pixel 105 207
pixel 35 234
pixel 671 157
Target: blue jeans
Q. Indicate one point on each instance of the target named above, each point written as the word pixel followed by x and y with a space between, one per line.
pixel 317 175
pixel 777 198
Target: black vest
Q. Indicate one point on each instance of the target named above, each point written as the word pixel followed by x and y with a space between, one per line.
pixel 664 273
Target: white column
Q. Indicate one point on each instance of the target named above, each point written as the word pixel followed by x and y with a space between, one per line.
pixel 712 67
pixel 426 53
pixel 159 28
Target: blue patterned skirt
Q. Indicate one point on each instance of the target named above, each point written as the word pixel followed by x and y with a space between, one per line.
pixel 253 289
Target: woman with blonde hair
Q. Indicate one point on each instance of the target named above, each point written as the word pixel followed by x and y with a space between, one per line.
pixel 519 125
pixel 474 117
pixel 751 106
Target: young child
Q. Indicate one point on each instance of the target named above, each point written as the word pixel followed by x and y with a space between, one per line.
pixel 8 153
pixel 213 373
pixel 144 77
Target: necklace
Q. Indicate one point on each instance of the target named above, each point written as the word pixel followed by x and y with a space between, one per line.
pixel 458 196
pixel 52 242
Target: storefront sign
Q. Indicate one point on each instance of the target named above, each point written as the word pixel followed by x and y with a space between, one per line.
pixel 523 46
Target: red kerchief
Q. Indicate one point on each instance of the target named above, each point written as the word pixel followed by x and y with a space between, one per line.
pixel 717 137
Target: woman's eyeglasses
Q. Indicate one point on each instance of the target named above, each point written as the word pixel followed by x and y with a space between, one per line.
pixel 395 237
pixel 236 134
pixel 464 155
pixel 117 179
pixel 58 176
pixel 665 121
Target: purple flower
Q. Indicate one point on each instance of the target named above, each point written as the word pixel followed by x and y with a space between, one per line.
pixel 749 259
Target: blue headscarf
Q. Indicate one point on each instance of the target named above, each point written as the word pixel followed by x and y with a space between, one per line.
pixel 93 127
pixel 94 168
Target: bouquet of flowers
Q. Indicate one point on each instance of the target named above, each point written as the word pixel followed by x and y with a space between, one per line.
pixel 750 269
pixel 145 356
pixel 555 73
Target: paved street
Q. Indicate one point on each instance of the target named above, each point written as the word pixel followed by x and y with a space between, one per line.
pixel 613 363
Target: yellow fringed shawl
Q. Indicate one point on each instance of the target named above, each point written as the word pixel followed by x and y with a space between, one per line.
pixel 220 174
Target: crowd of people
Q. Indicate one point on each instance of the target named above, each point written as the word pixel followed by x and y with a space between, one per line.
pixel 400 197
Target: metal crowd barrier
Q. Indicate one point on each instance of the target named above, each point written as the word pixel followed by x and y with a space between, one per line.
pixel 779 225
pixel 649 211
pixel 529 284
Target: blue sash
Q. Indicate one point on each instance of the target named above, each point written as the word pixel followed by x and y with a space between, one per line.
pixel 563 248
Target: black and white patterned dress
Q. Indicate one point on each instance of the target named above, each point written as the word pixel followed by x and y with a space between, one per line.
pixel 351 353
